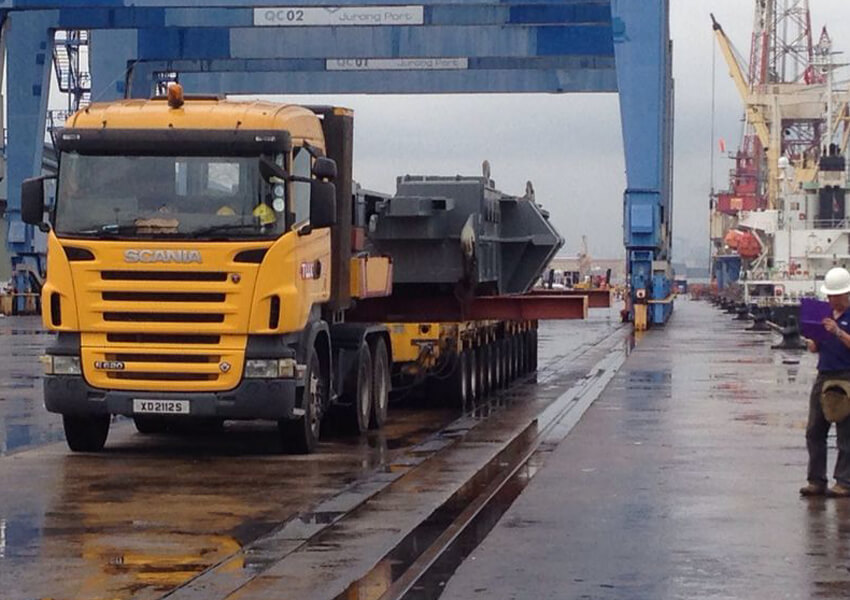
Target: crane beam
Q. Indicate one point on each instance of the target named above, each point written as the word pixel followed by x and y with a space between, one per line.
pixel 756 111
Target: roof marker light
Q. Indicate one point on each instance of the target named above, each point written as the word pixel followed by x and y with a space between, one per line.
pixel 175 95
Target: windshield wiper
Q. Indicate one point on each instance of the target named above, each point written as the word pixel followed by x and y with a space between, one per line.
pixel 226 227
pixel 110 229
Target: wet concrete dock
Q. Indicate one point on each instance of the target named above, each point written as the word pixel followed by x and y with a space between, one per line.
pixel 216 516
pixel 679 482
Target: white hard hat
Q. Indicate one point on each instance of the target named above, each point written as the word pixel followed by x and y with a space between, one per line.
pixel 836 282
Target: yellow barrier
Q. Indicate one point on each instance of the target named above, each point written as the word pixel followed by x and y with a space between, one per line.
pixel 7 304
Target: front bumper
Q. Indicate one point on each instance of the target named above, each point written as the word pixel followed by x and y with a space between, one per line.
pixel 271 399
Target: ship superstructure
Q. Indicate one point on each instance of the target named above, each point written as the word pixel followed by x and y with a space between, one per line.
pixel 783 221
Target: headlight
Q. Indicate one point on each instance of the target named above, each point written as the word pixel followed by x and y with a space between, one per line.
pixel 270 368
pixel 61 365
pixel 261 368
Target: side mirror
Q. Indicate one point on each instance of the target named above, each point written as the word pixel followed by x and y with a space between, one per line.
pixel 32 201
pixel 325 168
pixel 322 204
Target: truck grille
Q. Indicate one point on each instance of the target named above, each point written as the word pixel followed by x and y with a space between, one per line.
pixel 149 317
pixel 168 302
pixel 183 370
pixel 175 328
pixel 163 276
pixel 156 338
pixel 172 358
pixel 162 297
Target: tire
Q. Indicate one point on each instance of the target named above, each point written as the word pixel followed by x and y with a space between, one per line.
pixel 489 368
pixel 86 433
pixel 506 362
pixel 457 385
pixel 522 354
pixel 471 371
pixel 483 371
pixel 301 436
pixel 380 384
pixel 532 351
pixel 357 393
pixel 512 359
pixel 480 371
pixel 497 364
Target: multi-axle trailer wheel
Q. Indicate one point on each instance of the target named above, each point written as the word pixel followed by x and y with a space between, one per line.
pixel 487 364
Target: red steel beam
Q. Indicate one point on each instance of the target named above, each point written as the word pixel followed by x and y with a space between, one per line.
pixel 446 308
pixel 598 298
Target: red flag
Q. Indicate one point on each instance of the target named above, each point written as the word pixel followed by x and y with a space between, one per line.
pixel 722 145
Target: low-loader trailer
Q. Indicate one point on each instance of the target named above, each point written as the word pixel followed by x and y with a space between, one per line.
pixel 204 258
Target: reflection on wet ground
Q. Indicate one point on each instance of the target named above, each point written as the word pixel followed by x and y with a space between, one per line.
pixel 23 420
pixel 154 511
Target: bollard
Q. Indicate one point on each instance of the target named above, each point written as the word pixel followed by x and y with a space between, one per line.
pixel 759 320
pixel 742 312
pixel 791 339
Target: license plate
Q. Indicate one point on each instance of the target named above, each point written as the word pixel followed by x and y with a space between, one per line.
pixel 161 407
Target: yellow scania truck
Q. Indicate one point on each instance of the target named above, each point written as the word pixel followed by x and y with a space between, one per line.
pixel 196 266
pixel 203 257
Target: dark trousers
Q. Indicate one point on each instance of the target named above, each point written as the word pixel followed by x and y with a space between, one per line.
pixel 816 431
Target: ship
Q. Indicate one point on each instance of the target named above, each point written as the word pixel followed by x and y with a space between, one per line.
pixel 783 222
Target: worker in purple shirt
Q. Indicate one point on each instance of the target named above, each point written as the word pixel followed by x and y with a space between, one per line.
pixel 833 363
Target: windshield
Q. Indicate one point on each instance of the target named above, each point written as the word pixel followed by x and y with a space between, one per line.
pixel 165 196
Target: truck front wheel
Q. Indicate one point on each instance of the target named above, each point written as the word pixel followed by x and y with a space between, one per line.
pixel 301 436
pixel 86 433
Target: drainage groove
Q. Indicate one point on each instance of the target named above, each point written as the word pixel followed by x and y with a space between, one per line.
pixel 420 565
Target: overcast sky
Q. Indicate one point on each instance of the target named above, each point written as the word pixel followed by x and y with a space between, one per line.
pixel 570 146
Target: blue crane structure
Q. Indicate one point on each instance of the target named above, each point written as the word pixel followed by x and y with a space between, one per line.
pixel 358 46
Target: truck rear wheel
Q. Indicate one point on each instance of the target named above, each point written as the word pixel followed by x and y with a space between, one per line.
pixel 86 433
pixel 357 393
pixel 301 436
pixel 380 384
